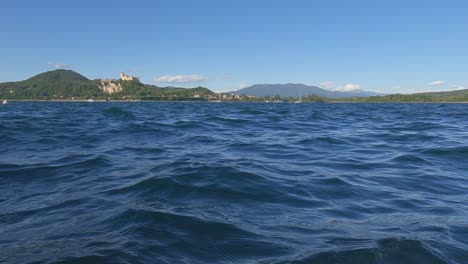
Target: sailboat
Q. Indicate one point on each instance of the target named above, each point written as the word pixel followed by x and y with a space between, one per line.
pixel 300 99
pixel 5 102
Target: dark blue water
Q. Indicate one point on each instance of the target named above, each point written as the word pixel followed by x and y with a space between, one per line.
pixel 233 183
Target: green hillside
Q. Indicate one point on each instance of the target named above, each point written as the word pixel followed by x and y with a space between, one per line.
pixel 430 97
pixel 135 90
pixel 58 84
pixel 65 75
pixel 67 84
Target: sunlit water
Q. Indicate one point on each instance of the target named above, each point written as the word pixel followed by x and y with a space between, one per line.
pixel 233 183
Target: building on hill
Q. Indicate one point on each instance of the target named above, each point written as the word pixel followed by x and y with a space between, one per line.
pixel 124 77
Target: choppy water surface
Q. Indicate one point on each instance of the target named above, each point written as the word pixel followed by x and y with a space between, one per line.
pixel 233 183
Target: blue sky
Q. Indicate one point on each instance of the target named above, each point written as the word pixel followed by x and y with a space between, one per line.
pixel 384 46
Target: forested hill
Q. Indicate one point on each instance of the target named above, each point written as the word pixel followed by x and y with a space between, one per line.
pixel 65 75
pixel 67 84
pixel 429 97
pixel 58 84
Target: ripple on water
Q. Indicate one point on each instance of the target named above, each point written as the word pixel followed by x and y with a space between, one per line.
pixel 389 250
pixel 180 234
pixel 117 112
pixel 233 183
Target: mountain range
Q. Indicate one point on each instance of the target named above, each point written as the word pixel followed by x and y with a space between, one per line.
pixel 296 90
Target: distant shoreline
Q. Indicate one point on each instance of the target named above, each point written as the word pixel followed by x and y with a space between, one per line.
pixel 69 86
pixel 207 101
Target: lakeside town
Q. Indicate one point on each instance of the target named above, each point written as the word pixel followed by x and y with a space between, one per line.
pixel 111 86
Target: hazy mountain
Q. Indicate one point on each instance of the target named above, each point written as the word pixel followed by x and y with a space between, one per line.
pixel 296 90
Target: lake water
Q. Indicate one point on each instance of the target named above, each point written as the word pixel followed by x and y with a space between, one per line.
pixel 233 183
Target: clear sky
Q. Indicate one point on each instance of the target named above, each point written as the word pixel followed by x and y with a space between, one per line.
pixel 385 46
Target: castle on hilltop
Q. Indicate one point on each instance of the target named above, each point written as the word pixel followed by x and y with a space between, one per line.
pixel 124 77
pixel 110 86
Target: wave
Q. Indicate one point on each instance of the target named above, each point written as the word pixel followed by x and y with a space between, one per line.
pixel 233 183
pixel 253 112
pixel 69 165
pixel 409 158
pixel 227 121
pixel 118 112
pixel 391 250
pixel 188 236
pixel 212 183
pixel 453 153
pixel 326 140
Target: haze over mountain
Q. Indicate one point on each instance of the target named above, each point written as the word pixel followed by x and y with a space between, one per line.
pixel 296 90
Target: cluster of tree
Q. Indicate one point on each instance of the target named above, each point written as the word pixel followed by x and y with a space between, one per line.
pixel 431 97
pixel 434 97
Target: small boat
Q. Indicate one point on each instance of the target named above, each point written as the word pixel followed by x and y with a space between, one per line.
pixel 299 101
pixel 5 102
pixel 90 100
